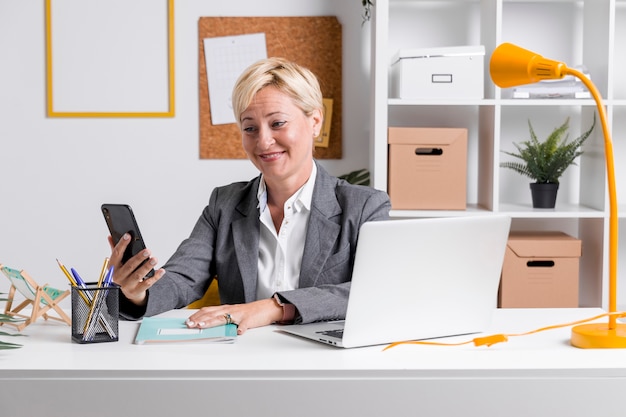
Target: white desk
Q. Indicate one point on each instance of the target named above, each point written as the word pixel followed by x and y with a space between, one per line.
pixel 269 373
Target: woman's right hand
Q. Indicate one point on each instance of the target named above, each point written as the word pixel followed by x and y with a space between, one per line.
pixel 130 275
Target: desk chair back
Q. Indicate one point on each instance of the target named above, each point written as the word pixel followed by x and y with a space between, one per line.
pixel 211 297
pixel 42 299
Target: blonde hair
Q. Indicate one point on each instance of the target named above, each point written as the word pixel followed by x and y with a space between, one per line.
pixel 296 81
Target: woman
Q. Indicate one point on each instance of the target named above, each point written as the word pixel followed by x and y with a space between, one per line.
pixel 282 245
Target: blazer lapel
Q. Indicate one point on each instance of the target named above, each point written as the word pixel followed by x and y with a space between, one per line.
pixel 322 231
pixel 246 240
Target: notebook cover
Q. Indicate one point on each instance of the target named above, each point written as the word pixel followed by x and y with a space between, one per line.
pixel 174 330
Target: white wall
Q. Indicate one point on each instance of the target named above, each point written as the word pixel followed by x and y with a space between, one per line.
pixel 56 172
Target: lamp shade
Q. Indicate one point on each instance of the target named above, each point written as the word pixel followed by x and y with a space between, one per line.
pixel 511 66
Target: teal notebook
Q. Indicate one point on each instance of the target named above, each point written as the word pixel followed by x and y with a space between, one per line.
pixel 168 330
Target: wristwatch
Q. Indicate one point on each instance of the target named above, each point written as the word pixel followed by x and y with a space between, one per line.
pixel 289 310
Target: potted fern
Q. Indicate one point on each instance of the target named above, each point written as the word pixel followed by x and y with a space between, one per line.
pixel 545 162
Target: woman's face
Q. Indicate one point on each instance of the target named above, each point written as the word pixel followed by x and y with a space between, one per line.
pixel 278 137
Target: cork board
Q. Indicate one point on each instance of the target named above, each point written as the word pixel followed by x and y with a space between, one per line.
pixel 312 41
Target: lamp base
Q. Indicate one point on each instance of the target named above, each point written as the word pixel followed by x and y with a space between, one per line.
pixel 598 335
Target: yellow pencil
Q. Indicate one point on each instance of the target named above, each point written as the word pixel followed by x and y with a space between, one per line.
pixel 95 302
pixel 67 273
pixel 74 283
pixel 103 273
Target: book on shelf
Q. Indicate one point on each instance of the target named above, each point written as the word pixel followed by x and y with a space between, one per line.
pixel 566 87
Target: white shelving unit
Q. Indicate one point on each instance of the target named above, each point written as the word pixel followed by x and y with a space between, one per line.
pixel 576 32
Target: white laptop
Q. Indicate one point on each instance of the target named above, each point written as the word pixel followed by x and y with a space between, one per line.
pixel 419 279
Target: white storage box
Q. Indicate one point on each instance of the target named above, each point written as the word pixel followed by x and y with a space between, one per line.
pixel 452 72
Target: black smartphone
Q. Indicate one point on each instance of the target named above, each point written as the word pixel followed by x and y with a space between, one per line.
pixel 120 219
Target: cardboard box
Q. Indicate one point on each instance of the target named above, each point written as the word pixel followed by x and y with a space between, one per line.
pixel 540 270
pixel 428 168
pixel 453 72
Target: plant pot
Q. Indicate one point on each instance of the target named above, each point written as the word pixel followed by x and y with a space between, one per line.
pixel 544 194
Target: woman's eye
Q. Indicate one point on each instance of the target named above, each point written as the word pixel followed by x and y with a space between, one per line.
pixel 278 124
pixel 249 129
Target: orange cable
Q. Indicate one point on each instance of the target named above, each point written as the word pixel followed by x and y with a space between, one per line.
pixel 498 338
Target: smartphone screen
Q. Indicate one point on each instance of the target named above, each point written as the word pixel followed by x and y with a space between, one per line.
pixel 120 219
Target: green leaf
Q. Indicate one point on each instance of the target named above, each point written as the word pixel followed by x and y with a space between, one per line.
pixel 7 318
pixel 6 346
pixel 545 162
pixel 358 177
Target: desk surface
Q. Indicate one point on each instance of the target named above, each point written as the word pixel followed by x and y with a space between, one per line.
pixel 48 349
pixel 273 361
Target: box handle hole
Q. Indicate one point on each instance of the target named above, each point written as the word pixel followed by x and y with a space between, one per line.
pixel 429 151
pixel 540 264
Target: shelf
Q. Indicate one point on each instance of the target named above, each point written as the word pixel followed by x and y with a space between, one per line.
pixel 492 102
pixel 546 102
pixel 561 211
pixel 440 102
pixel 587 32
pixel 472 210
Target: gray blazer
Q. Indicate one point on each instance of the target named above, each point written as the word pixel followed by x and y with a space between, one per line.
pixel 225 241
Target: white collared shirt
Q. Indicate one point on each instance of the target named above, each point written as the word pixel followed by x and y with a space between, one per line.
pixel 280 254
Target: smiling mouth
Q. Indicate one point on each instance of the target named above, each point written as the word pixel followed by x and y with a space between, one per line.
pixel 270 156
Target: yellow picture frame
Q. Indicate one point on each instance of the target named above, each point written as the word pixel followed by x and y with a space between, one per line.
pixel 112 114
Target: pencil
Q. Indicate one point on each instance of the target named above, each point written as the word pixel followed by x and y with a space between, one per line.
pixel 103 272
pixel 66 273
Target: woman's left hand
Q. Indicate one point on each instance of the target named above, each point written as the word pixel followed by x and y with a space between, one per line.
pixel 245 316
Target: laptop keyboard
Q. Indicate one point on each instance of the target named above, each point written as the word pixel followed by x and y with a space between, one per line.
pixel 338 333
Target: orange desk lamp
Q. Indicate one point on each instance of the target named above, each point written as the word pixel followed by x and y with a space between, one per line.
pixel 511 66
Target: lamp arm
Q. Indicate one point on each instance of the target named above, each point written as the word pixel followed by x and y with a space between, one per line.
pixel 613 213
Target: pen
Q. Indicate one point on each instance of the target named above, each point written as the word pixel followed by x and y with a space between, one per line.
pixel 108 280
pixel 97 304
pixel 79 280
pixel 99 301
pixel 94 310
pixel 72 280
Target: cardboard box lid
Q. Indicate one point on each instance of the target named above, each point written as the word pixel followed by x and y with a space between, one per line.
pixel 450 51
pixel 544 244
pixel 426 136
